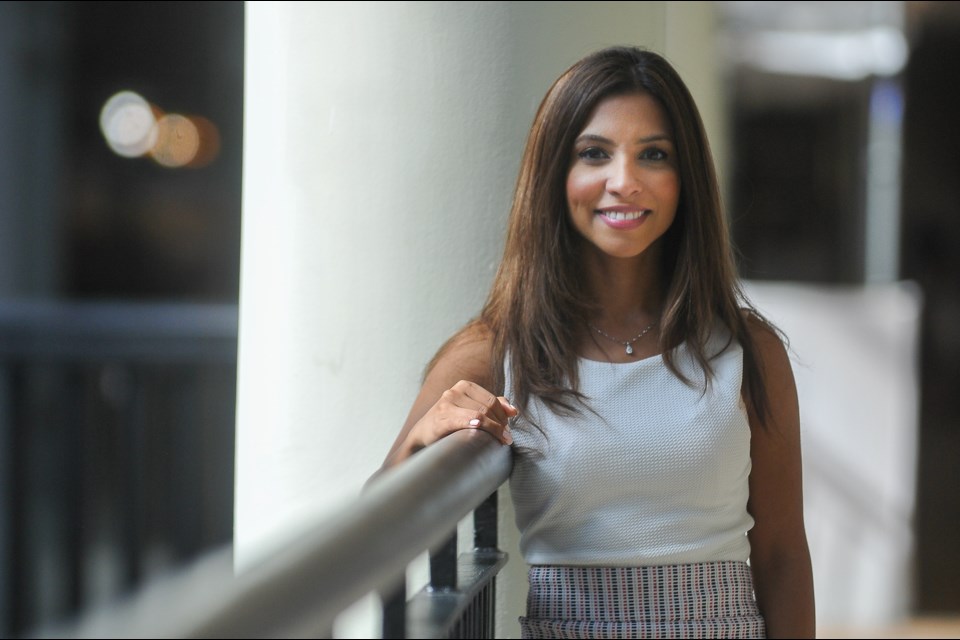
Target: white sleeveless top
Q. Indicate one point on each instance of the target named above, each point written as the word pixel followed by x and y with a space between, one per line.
pixel 658 475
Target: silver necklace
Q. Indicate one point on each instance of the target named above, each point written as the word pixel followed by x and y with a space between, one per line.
pixel 628 343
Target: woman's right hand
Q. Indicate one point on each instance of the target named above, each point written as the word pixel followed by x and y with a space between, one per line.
pixel 465 405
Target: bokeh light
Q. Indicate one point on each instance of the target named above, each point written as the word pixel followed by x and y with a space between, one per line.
pixel 134 127
pixel 177 141
pixel 128 124
pixel 209 142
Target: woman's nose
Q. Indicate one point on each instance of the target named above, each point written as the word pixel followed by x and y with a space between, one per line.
pixel 624 178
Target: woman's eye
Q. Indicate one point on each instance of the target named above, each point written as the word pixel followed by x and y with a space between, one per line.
pixel 653 154
pixel 592 153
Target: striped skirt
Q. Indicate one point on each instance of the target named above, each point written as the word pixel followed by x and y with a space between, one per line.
pixel 703 600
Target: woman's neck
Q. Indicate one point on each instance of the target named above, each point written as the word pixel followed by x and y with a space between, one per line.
pixel 627 291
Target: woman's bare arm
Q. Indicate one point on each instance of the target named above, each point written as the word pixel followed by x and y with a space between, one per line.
pixel 779 556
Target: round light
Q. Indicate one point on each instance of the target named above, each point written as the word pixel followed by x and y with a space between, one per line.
pixel 177 141
pixel 128 124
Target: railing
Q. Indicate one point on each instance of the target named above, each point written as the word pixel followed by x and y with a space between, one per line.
pixel 364 548
pixel 116 448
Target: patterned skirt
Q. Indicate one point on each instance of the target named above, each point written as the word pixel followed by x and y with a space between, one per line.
pixel 703 600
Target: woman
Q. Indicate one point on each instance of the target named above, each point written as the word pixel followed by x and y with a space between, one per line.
pixel 653 413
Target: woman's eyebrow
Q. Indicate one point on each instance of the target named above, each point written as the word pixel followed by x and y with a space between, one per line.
pixel 656 137
pixel 592 137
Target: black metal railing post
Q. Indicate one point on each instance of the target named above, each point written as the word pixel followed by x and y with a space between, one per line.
pixel 394 625
pixel 443 566
pixel 485 524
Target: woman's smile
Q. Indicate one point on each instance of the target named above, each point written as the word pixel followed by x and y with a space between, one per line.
pixel 623 218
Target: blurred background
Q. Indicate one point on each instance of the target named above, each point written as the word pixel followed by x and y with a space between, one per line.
pixel 118 296
pixel 120 260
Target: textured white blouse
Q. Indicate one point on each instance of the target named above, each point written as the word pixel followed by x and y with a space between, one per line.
pixel 655 474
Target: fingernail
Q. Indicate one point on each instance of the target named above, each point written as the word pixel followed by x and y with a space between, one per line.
pixel 507 438
pixel 475 422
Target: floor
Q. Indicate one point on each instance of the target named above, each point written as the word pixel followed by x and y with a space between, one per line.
pixel 922 627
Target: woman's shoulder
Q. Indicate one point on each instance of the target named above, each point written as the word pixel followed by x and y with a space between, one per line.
pixel 772 362
pixel 768 340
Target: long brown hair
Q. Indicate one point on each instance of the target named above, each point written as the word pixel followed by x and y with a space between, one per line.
pixel 538 301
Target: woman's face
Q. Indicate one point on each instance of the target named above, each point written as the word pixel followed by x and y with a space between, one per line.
pixel 624 182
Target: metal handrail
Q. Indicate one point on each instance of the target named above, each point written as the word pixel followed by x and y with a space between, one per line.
pixel 300 591
pixel 75 330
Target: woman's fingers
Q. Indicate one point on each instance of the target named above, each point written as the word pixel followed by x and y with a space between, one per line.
pixel 487 404
pixel 483 410
pixel 499 431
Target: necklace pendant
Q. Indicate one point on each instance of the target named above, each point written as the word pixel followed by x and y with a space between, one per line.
pixel 629 349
